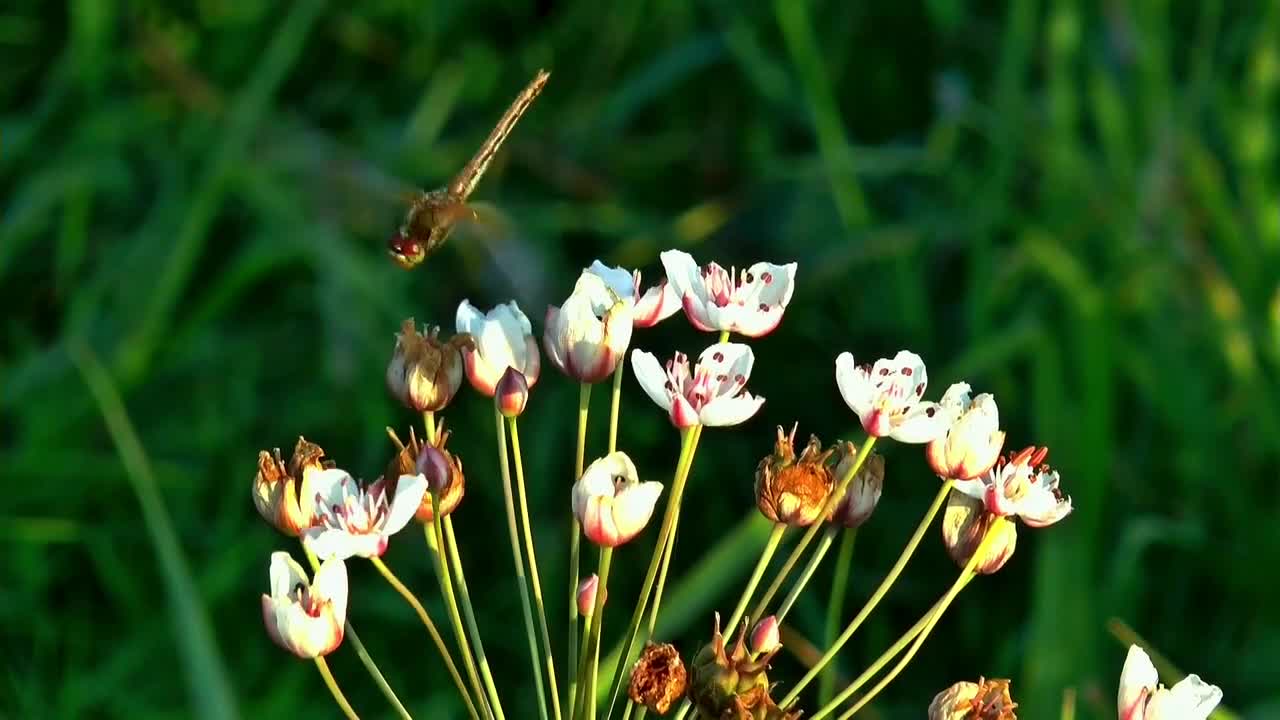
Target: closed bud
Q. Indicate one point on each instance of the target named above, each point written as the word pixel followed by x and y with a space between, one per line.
pixel 983 700
pixel 972 443
pixel 790 489
pixel 512 393
pixel 765 636
pixel 435 465
pixel 425 373
pixel 441 469
pixel 863 493
pixel 587 595
pixel 965 523
pixel 727 682
pixel 658 679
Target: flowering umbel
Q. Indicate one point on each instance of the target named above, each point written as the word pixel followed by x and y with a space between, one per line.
pixel 749 303
pixel 712 393
pixel 863 493
pixel 728 683
pixel 284 495
pixel 1141 696
pixel 354 520
pixel 585 338
pixel 658 679
pixel 888 397
pixel 793 490
pixel 971 445
pixel 611 503
pixel 503 339
pixel 983 700
pixel 425 373
pixel 306 618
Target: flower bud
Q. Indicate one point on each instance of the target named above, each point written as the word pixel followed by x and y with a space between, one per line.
pixel 658 678
pixel 435 466
pixel 972 444
pixel 863 494
pixel 983 700
pixel 512 393
pixel 793 490
pixel 587 595
pixel 765 636
pixel 611 503
pixel 965 523
pixel 441 469
pixel 424 373
pixel 728 683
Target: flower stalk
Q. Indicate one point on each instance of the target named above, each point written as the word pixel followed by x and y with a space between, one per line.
pixel 436 531
pixel 762 564
pixel 591 658
pixel 332 684
pixel 824 545
pixel 451 544
pixel 575 543
pixel 835 607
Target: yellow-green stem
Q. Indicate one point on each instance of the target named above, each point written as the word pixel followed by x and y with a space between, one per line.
pixel 435 531
pixel 338 697
pixel 761 565
pixel 468 611
pixel 414 603
pixel 616 405
pixel 517 557
pixel 575 542
pixel 429 420
pixel 833 499
pixel 591 659
pixel 835 607
pixel 828 537
pixel 876 597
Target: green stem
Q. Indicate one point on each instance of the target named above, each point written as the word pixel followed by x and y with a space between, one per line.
pixel 688 445
pixel 436 531
pixel 876 597
pixel 835 607
pixel 828 537
pixel 413 601
pixel 429 420
pixel 761 565
pixel 832 500
pixel 575 541
pixel 965 576
pixel 588 701
pixel 341 699
pixel 548 657
pixel 469 613
pixel 350 636
pixel 656 606
pixel 517 557
pixel 616 405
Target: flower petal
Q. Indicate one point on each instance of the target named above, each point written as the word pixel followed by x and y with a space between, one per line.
pixel 730 364
pixel 331 586
pixel 920 424
pixel 1193 698
pixel 854 383
pixel 683 274
pixel 327 544
pixel 286 574
pixel 723 411
pixel 409 492
pixel 633 507
pixel 468 319
pixel 652 378
pixel 618 279
pixel 330 486
pixel 1137 677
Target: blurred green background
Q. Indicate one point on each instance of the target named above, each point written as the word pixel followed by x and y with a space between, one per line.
pixel 1072 205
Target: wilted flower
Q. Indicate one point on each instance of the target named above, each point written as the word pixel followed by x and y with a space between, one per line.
pixel 306 618
pixel 586 337
pixel 1021 485
pixel 728 683
pixel 587 595
pixel 793 490
pixel 284 495
pixel 971 445
pixel 983 700
pixel 441 469
pixel 714 299
pixel 503 338
pixel 965 523
pixel 651 306
pixel 887 397
pixel 863 493
pixel 611 503
pixel 512 393
pixel 658 678
pixel 765 636
pixel 1142 697
pixel 713 393
pixel 424 373
pixel 359 521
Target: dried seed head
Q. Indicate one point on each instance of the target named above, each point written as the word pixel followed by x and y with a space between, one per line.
pixel 793 490
pixel 983 700
pixel 659 678
pixel 425 373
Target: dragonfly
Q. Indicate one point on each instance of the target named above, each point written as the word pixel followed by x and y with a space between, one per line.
pixel 433 214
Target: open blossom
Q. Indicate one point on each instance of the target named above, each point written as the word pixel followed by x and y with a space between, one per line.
pixel 1141 696
pixel 302 617
pixel 714 299
pixel 972 444
pixel 586 337
pixel 887 397
pixel 359 521
pixel 649 307
pixel 611 503
pixel 712 393
pixel 503 339
pixel 1021 485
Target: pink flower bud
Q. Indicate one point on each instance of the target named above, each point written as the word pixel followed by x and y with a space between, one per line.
pixel 765 637
pixel 433 464
pixel 512 393
pixel 587 595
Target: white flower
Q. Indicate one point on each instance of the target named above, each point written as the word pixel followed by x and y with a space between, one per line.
pixel 713 393
pixel 714 299
pixel 503 338
pixel 611 503
pixel 1020 485
pixel 586 337
pixel 1142 698
pixel 972 443
pixel 352 520
pixel 887 397
pixel 651 306
pixel 305 618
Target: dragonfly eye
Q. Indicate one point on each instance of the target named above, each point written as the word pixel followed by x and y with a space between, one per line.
pixel 405 250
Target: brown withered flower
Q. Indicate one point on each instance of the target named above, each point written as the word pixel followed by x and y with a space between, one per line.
pixel 425 373
pixel 442 469
pixel 983 700
pixel 793 490
pixel 281 493
pixel 658 679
